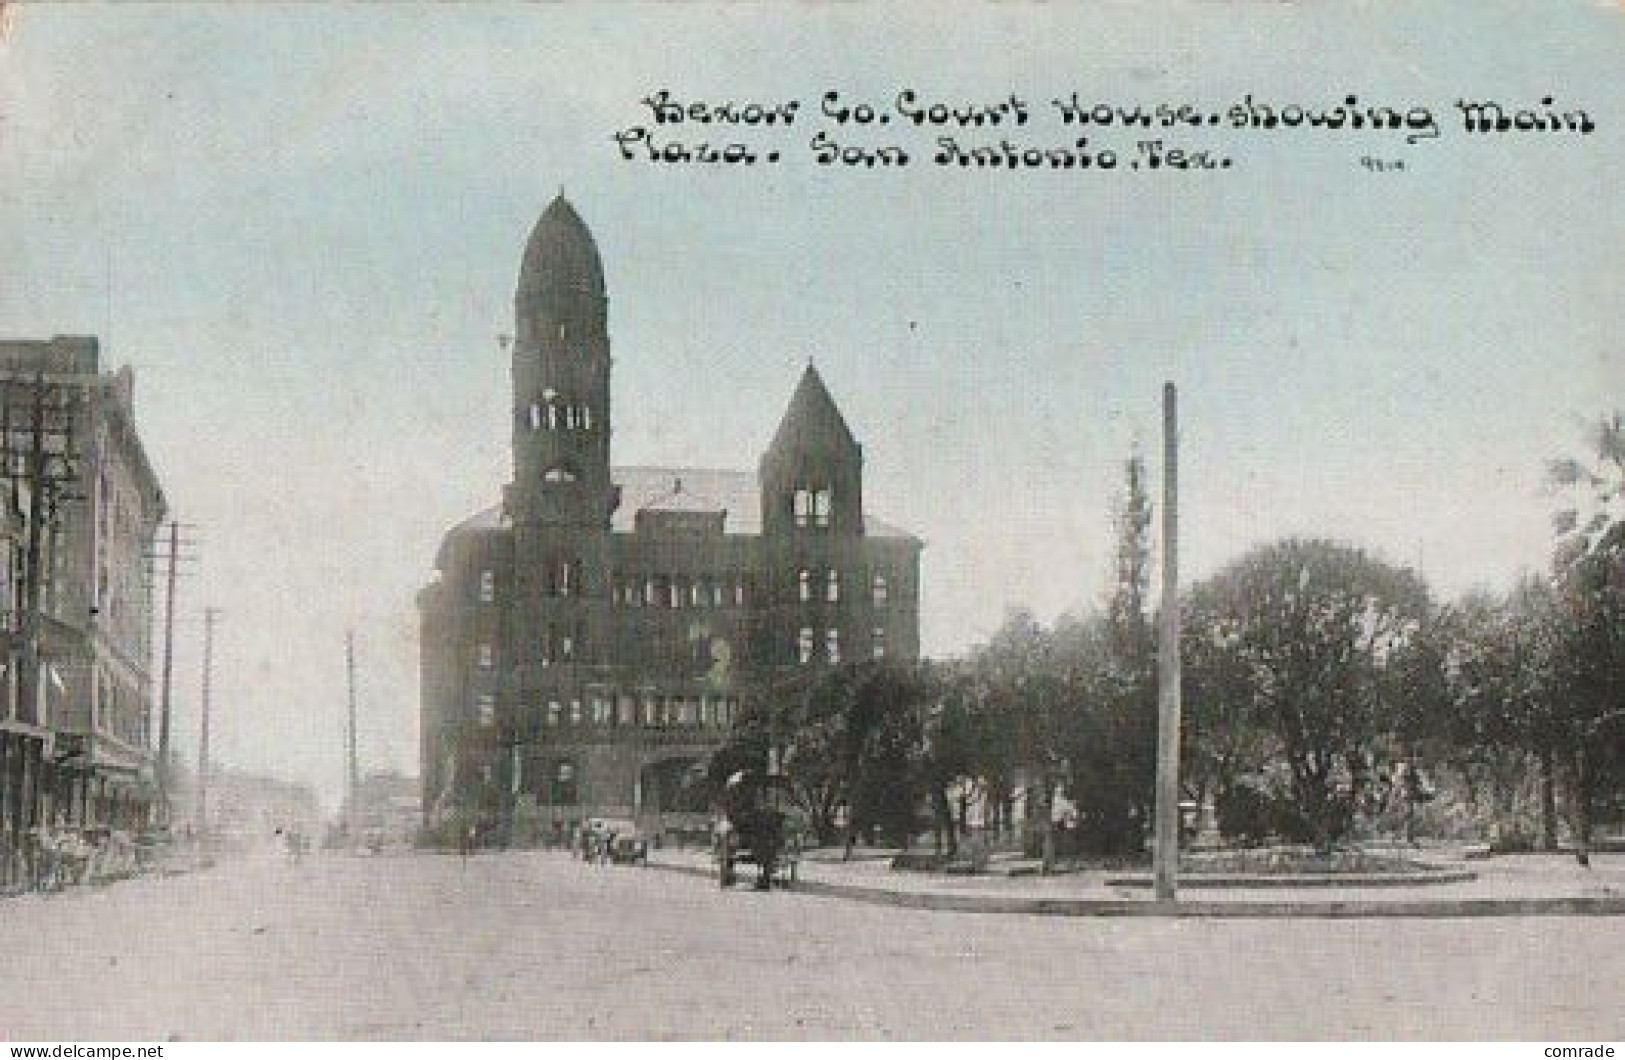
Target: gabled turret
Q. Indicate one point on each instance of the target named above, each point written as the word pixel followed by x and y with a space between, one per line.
pixel 812 473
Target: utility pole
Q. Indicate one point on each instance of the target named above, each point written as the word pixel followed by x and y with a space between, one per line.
pixel 174 556
pixel 1166 848
pixel 210 616
pixel 353 769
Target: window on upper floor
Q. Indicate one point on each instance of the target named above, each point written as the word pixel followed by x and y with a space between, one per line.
pixel 832 645
pixel 878 641
pixel 558 475
pixel 488 586
pixel 801 507
pixel 821 508
pixel 804 585
pixel 832 586
pixel 486 709
pixel 487 657
pixel 804 645
pixel 881 590
pixel 553 713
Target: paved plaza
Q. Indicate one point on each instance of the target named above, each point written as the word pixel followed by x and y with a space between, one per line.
pixel 542 946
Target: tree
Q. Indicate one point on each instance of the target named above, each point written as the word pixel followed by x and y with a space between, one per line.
pixel 1310 628
pixel 1590 577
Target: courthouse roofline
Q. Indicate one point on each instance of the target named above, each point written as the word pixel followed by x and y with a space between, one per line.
pixel 736 492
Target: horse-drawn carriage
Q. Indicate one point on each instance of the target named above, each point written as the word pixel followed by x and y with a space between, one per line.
pixel 757 827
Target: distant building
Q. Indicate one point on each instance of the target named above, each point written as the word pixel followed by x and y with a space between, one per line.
pixel 587 642
pixel 79 505
pixel 253 811
pixel 387 810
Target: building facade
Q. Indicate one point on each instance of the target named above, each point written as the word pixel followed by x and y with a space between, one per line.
pixel 588 641
pixel 81 505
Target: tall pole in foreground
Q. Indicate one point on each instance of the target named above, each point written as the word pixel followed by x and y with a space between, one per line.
pixel 1166 851
pixel 353 774
pixel 210 616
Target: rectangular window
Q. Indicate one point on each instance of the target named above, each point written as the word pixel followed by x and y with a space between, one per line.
pixel 487 657
pixel 881 590
pixel 649 717
pixel 804 646
pixel 575 712
pixel 487 709
pixel 879 641
pixel 832 586
pixel 804 585
pixel 801 505
pixel 488 586
pixel 553 713
pixel 628 710
pixel 832 645
pixel 601 712
pixel 821 508
pixel 567 649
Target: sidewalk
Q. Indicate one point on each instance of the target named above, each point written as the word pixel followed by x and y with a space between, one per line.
pixel 1525 885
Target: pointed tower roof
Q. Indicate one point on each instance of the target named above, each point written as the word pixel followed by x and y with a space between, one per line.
pixel 812 422
pixel 560 257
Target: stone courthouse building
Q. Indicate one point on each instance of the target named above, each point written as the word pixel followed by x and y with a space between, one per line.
pixel 588 641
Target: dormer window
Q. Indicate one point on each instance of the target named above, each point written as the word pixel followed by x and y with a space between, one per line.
pixel 811 508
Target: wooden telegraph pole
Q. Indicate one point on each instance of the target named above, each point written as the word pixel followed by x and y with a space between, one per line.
pixel 172 554
pixel 353 771
pixel 1166 852
pixel 210 616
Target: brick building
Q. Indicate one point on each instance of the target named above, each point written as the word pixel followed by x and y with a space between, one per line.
pixel 81 504
pixel 588 641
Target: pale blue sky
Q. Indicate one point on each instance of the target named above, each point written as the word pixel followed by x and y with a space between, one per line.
pixel 302 226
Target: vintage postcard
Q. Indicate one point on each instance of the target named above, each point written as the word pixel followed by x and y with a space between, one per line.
pixel 760 522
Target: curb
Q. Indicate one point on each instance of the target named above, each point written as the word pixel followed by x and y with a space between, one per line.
pixel 1259 882
pixel 1281 910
